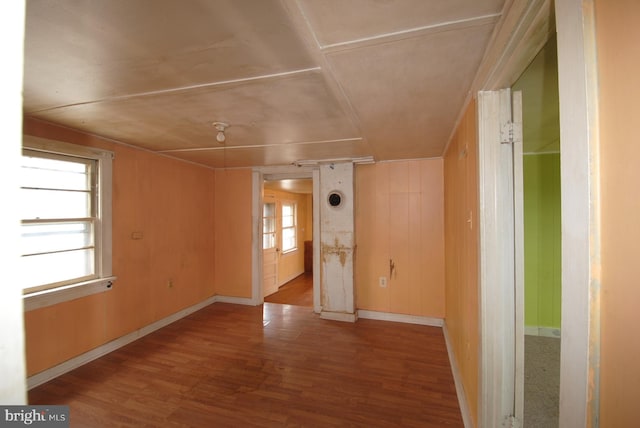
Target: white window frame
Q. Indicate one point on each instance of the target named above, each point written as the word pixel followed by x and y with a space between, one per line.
pixel 294 205
pixel 102 233
pixel 274 217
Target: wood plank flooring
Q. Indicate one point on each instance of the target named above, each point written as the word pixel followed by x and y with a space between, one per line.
pixel 266 366
pixel 298 292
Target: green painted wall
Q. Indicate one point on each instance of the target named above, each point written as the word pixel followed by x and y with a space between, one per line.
pixel 542 240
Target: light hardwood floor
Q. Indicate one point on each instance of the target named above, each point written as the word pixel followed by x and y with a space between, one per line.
pixel 298 292
pixel 266 366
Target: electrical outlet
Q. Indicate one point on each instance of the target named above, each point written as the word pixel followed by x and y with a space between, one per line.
pixel 383 281
pixel 170 283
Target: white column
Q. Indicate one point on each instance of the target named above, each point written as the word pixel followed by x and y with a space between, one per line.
pixel 337 241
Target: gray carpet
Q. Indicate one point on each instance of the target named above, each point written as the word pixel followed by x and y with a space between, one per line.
pixel 541 381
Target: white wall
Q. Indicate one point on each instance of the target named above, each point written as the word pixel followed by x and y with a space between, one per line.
pixel 12 355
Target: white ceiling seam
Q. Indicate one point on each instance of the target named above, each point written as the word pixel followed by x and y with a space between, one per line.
pixel 301 22
pixel 412 33
pixel 307 24
pixel 254 146
pixel 221 84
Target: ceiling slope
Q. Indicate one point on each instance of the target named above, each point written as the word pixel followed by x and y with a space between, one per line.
pixel 295 79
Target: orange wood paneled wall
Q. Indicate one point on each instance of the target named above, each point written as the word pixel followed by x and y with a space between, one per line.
pixel 233 246
pixel 172 204
pixel 399 216
pixel 618 33
pixel 461 243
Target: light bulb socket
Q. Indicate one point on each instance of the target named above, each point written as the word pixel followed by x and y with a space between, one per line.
pixel 220 126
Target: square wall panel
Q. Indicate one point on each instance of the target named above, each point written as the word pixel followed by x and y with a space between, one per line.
pixel 407 93
pixel 81 51
pixel 290 109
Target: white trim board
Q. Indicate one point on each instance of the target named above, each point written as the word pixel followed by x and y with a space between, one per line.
pixel 235 300
pixel 292 276
pixel 339 316
pixel 44 298
pixel 457 379
pixel 407 319
pixel 73 363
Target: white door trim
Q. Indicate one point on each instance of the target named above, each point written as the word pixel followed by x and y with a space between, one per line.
pixel 518 211
pixel 259 174
pixel 577 82
pixel 257 295
pixel 521 34
pixel 497 261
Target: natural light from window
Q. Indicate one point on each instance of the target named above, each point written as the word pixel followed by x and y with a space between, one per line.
pixel 58 220
pixel 289 227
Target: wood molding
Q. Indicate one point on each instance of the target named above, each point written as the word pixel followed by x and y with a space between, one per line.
pixel 524 28
pixel 496 223
pixel 339 316
pixel 248 301
pixel 457 379
pixel 407 319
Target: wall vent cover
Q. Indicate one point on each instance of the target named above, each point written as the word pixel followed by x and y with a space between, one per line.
pixel 335 198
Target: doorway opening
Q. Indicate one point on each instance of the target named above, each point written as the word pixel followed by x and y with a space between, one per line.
pixel 542 237
pixel 287 241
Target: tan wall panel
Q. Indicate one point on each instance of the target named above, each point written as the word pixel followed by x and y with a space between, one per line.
pixel 399 216
pixel 400 281
pixel 171 203
pixel 365 212
pixel 233 240
pixel 461 243
pixel 618 33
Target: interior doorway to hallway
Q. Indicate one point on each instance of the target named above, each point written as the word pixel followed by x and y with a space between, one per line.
pixel 287 244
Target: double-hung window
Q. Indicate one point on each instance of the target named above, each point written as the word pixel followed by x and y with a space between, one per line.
pixel 289 234
pixel 65 201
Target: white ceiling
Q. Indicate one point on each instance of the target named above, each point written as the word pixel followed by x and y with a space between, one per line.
pixel 295 79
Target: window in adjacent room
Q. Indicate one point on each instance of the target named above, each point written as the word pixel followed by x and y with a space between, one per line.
pixel 289 233
pixel 269 225
pixel 65 198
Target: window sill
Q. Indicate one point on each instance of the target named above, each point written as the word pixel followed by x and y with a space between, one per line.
pixel 42 299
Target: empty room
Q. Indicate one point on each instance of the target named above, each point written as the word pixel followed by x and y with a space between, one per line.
pixel 310 213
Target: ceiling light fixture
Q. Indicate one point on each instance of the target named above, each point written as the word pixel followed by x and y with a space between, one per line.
pixel 220 126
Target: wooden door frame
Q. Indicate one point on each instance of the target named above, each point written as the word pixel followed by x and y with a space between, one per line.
pixel 522 31
pixel 282 173
pixel 497 264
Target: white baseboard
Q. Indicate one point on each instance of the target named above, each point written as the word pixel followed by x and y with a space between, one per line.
pixel 542 331
pixel 290 278
pixel 67 366
pixel 457 379
pixel 407 319
pixel 236 300
pixel 339 316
